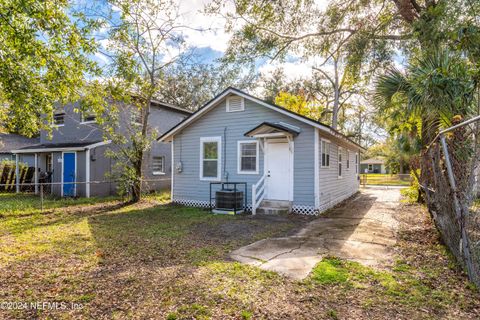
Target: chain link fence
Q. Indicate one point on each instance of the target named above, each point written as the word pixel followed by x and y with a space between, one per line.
pixel 387 179
pixel 45 196
pixel 451 181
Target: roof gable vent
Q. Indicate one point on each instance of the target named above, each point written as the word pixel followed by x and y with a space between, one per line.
pixel 235 104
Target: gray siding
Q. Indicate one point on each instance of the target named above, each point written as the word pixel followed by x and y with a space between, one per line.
pixel 72 130
pixel 101 167
pixel 162 120
pixel 57 173
pixel 28 159
pixel 218 122
pixel 332 188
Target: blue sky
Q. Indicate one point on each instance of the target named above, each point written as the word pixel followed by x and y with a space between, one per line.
pixel 204 33
pixel 207 36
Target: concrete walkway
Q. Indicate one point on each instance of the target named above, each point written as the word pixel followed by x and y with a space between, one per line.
pixel 362 229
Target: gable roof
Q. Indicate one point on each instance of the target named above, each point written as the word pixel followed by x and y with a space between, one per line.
pixel 270 126
pixel 171 107
pixel 230 90
pixel 373 161
pixel 11 141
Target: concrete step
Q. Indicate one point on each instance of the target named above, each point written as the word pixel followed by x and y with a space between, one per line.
pixel 273 210
pixel 276 204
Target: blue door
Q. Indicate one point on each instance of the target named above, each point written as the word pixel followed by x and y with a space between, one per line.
pixel 69 174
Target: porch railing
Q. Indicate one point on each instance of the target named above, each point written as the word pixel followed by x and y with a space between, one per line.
pixel 258 193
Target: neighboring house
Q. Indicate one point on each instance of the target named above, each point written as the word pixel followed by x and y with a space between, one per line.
pixel 373 165
pixel 10 141
pixel 282 156
pixel 74 155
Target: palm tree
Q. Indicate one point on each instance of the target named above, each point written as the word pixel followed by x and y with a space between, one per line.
pixel 434 88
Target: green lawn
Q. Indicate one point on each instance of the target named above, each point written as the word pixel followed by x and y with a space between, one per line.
pixel 155 260
pixel 384 179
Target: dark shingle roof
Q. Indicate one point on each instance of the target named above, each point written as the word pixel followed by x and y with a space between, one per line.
pixel 59 145
pixel 10 141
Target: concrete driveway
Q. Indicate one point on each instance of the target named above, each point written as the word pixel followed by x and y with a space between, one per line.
pixel 362 229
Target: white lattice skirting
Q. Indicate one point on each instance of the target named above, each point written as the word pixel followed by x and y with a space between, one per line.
pixel 193 203
pixel 305 210
pixel 296 208
pixel 200 203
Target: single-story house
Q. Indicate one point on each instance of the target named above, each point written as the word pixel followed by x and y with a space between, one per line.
pixel 285 159
pixel 10 141
pixel 373 165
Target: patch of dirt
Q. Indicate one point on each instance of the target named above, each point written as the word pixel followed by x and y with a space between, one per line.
pixel 248 227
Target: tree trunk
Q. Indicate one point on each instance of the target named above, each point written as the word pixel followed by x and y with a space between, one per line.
pixel 140 153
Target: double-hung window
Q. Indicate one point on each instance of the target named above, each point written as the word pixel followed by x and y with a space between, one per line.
pixel 158 165
pixel 339 162
pixel 348 159
pixel 247 157
pixel 356 163
pixel 59 119
pixel 210 158
pixel 325 146
pixel 88 118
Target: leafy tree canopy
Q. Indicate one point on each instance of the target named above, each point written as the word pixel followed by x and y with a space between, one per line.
pixel 44 49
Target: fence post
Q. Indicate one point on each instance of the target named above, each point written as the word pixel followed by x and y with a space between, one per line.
pixel 41 197
pixel 17 174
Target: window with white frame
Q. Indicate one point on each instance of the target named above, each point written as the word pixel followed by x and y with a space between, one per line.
pixel 158 165
pixel 356 163
pixel 210 156
pixel 339 162
pixel 370 167
pixel 247 157
pixel 59 119
pixel 348 159
pixel 88 118
pixel 235 104
pixel 325 149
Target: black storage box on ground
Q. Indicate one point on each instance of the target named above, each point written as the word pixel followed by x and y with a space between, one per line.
pixel 228 199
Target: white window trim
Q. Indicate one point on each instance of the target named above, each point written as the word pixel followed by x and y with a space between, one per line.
pixel 159 173
pixel 82 116
pixel 242 103
pixel 357 157
pixel 321 152
pixel 239 154
pixel 58 125
pixel 339 162
pixel 219 160
pixel 347 158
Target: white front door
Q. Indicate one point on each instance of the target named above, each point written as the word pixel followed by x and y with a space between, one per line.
pixel 278 169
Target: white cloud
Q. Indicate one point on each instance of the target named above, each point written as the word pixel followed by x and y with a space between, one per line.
pixel 293 70
pixel 204 31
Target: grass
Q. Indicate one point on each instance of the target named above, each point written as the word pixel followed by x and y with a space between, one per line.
pixel 155 260
pixel 384 179
pixel 12 204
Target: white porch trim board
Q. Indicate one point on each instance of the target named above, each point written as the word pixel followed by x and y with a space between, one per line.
pixel 17 174
pixel 316 169
pixel 36 173
pixel 87 173
pixel 173 169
